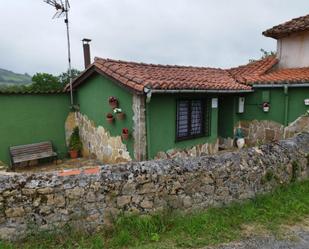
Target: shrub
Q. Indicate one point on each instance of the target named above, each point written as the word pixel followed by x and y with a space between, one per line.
pixel 75 142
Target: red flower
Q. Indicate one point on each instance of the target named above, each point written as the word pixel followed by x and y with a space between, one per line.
pixel 125 131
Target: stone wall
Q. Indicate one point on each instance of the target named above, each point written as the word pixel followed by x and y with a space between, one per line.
pixel 139 127
pixel 194 151
pixel 88 198
pixel 260 131
pixel 265 131
pixel 97 141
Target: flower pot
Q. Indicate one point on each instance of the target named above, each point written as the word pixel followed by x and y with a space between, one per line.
pixel 113 104
pixel 120 115
pixel 240 143
pixel 73 154
pixel 110 120
pixel 125 136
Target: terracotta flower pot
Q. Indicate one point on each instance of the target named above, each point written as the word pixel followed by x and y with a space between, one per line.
pixel 73 154
pixel 120 115
pixel 125 136
pixel 113 104
pixel 110 120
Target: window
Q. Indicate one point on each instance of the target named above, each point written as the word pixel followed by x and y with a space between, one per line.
pixel 191 119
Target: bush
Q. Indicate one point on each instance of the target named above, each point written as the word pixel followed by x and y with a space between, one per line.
pixel 75 142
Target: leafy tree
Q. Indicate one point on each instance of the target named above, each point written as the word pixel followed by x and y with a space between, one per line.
pixel 64 78
pixel 45 82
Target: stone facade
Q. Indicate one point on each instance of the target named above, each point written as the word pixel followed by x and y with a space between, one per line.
pixel 139 127
pixel 88 198
pixel 265 131
pixel 299 125
pixel 97 142
pixel 260 132
pixel 194 151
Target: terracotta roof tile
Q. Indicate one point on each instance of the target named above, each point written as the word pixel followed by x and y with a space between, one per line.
pixel 265 72
pixel 139 75
pixel 295 25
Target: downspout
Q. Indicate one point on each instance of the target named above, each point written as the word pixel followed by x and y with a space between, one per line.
pixel 286 105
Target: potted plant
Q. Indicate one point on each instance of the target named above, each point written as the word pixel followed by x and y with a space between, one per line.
pixel 109 118
pixel 266 107
pixel 239 137
pixel 119 114
pixel 113 102
pixel 125 134
pixel 75 144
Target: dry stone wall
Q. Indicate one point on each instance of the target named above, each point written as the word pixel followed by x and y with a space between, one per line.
pixel 194 151
pixel 265 131
pixel 96 140
pixel 88 198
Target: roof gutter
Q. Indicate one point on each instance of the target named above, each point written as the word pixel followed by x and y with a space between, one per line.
pixel 280 85
pixel 149 91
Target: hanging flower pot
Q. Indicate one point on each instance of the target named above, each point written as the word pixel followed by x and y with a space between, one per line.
pixel 119 114
pixel 125 134
pixel 266 107
pixel 109 118
pixel 113 102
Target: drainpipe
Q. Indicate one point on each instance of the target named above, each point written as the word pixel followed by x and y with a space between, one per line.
pixel 286 105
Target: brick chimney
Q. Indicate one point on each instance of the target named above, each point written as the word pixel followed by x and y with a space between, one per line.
pixel 86 47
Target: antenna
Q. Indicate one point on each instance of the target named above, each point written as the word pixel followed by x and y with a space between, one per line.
pixel 62 10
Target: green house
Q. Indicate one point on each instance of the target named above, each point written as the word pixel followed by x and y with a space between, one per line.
pixel 169 110
pixel 136 111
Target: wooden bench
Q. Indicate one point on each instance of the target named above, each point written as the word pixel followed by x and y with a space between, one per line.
pixel 29 152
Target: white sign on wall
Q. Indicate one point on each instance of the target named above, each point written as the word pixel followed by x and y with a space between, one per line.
pixel 306 101
pixel 214 103
pixel 241 104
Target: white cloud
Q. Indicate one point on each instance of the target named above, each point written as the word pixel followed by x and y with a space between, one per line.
pixel 193 32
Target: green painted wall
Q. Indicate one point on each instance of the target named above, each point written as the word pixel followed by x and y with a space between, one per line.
pixel 32 118
pixel 93 96
pixel 253 109
pixel 161 124
pixel 297 106
pixel 228 115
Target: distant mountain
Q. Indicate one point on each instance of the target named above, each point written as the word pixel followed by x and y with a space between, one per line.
pixel 8 78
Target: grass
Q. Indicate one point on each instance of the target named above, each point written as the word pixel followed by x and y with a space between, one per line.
pixel 287 205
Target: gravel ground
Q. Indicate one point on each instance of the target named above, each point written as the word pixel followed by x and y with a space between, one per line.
pixel 296 237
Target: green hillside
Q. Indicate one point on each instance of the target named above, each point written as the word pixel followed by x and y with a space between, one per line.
pixel 8 78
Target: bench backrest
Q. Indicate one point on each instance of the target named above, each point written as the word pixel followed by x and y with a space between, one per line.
pixel 32 149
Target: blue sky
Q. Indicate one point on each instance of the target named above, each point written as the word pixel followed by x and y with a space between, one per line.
pixel 214 33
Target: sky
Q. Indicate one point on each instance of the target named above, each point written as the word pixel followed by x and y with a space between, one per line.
pixel 212 33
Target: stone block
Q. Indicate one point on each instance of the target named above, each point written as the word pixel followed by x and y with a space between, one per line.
pixel 123 201
pixel 14 212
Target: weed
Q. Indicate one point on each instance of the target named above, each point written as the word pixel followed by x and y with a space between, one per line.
pixel 295 171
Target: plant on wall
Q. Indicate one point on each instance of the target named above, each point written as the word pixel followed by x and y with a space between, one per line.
pixel 75 144
pixel 125 133
pixel 113 102
pixel 109 118
pixel 119 113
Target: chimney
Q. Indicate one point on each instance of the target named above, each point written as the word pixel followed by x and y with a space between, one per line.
pixel 86 48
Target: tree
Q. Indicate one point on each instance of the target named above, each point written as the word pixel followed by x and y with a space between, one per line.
pixel 45 82
pixel 64 78
pixel 265 54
